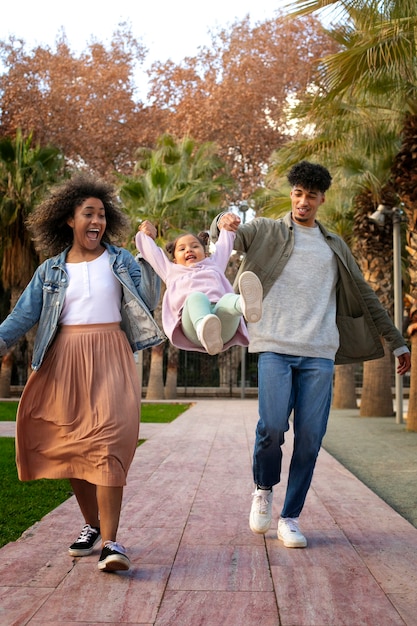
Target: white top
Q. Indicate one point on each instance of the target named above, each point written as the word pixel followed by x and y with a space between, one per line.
pixel 299 312
pixel 93 295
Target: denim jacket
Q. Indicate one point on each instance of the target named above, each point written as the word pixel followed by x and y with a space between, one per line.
pixel 360 317
pixel 43 299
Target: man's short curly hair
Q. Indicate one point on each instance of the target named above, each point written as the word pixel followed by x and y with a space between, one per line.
pixel 311 176
pixel 48 222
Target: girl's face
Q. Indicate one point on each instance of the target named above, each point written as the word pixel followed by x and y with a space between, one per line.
pixel 188 250
pixel 88 224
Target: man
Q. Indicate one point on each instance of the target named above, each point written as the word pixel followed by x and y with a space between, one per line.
pixel 317 310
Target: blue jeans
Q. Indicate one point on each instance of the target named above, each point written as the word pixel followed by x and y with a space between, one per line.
pixel 286 384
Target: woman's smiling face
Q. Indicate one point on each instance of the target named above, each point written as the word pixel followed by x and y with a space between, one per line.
pixel 88 224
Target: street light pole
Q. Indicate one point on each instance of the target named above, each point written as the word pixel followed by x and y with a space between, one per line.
pixel 398 304
pixel 243 207
pixel 379 218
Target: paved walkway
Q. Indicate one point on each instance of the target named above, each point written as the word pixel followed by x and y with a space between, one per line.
pixel 195 561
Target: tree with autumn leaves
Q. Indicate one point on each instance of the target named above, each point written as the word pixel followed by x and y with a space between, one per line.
pixel 82 104
pixel 234 93
pixel 237 92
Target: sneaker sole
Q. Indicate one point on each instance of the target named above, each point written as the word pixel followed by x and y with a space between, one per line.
pixel 86 552
pixel 211 335
pixel 293 544
pixel 257 530
pixel 250 288
pixel 114 564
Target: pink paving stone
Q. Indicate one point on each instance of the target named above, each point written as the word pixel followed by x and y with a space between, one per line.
pixel 339 597
pixel 18 605
pixel 217 568
pixel 156 546
pixel 33 564
pixel 314 514
pixel 186 529
pixel 391 557
pixel 405 603
pixel 215 500
pixel 126 597
pixel 35 622
pixel 154 506
pixel 211 608
pixel 204 530
pixel 324 549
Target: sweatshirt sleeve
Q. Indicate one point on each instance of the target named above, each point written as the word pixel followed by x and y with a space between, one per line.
pixel 224 248
pixel 153 255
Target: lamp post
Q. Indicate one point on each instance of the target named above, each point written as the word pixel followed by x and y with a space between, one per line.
pixel 379 218
pixel 243 208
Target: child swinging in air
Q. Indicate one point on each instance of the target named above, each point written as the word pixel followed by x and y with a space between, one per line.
pixel 200 310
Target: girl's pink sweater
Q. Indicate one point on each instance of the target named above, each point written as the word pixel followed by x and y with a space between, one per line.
pixel 206 276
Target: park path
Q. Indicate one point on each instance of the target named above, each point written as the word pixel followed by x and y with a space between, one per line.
pixel 194 560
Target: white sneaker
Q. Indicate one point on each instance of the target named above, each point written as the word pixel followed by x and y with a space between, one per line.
pixel 209 332
pixel 260 517
pixel 290 534
pixel 251 293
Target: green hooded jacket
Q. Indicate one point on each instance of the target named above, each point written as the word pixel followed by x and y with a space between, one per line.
pixel 361 319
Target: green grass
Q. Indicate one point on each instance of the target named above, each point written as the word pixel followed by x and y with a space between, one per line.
pixel 161 413
pixel 8 411
pixel 24 503
pixel 155 413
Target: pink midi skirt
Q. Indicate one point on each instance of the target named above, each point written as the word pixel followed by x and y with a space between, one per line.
pixel 79 414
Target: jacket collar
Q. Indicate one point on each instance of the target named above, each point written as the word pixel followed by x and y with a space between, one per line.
pixel 288 222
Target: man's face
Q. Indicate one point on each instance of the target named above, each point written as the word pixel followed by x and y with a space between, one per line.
pixel 304 205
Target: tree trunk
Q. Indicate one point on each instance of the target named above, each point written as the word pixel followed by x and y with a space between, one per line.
pixel 412 402
pixel 228 363
pixel 376 399
pixel 9 358
pixel 172 373
pixel 155 390
pixel 344 388
pixel 225 369
pixel 6 374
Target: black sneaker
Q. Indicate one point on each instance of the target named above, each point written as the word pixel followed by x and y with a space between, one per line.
pixel 85 543
pixel 113 557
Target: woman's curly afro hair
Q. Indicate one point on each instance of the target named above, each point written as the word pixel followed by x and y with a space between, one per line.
pixel 48 222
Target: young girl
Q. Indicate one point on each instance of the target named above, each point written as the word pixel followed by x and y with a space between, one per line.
pixel 200 311
pixel 78 416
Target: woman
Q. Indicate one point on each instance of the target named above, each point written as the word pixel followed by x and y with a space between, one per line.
pixel 78 417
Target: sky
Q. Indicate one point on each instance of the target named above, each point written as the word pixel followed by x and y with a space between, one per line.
pixel 169 28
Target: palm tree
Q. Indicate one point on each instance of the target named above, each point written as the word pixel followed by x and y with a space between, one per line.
pixel 178 186
pixel 350 118
pixel 384 61
pixel 25 172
